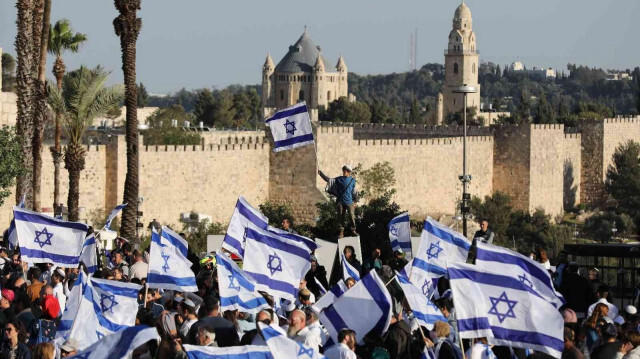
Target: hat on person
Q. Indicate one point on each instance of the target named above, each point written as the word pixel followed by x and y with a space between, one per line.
pixel 290 308
pixel 630 309
pixel 50 306
pixel 60 272
pixel 569 316
pixel 619 320
pixel 609 330
pixel 70 345
pixel 346 168
pixel 188 303
pixel 8 294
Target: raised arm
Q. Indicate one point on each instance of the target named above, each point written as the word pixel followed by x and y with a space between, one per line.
pixel 324 176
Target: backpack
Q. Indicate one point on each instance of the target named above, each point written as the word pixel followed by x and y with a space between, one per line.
pixel 380 353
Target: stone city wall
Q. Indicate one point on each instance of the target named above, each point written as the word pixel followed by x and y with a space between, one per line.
pixel 8 109
pixel 571 170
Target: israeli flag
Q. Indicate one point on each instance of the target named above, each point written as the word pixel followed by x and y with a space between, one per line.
pixel 106 307
pixel 291 127
pixel 284 348
pixel 520 267
pixel 505 310
pixel 334 293
pixel 112 215
pixel 321 288
pixel 366 307
pixel 237 289
pixel 349 271
pixel 308 242
pixel 428 353
pixel 425 312
pixel 120 344
pixel 71 308
pixel 168 267
pixel 175 239
pixel 439 245
pixel 243 214
pixel 89 255
pixel 243 352
pixel 44 239
pixel 277 264
pixel 12 234
pixel 400 234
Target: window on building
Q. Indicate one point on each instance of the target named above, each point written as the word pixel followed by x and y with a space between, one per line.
pixel 281 95
pixel 328 96
pixel 473 68
pixel 301 96
pixel 455 68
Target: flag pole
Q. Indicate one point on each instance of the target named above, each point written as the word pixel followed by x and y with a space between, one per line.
pixel 146 291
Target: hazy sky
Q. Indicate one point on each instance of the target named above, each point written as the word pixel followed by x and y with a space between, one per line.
pixel 205 43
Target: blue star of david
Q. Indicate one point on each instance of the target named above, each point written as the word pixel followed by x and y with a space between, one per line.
pixel 523 278
pixel 47 235
pixel 290 127
pixel 107 302
pixel 231 280
pixel 305 351
pixel 275 263
pixel 434 250
pixel 510 305
pixel 426 286
pixel 100 335
pixel 394 231
pixel 165 266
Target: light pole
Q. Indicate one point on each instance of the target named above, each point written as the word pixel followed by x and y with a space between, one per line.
pixel 465 178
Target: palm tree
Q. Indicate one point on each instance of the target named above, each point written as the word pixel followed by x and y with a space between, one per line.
pixel 61 39
pixel 127 26
pixel 83 98
pixel 24 90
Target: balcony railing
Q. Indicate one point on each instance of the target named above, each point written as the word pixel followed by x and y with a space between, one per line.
pixel 461 52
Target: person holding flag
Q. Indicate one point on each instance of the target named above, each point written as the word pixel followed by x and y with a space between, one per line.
pixel 344 189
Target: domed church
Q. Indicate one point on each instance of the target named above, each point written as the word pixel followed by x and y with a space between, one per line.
pixel 303 74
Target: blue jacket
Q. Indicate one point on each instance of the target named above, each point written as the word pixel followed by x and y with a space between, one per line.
pixel 345 187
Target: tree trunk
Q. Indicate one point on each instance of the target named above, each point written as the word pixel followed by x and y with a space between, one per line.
pixel 74 161
pixel 56 152
pixel 41 32
pixel 127 27
pixel 24 86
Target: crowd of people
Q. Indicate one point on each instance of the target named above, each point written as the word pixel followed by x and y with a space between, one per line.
pixel 34 298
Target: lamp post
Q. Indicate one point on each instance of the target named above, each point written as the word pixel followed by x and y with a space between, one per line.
pixel 465 178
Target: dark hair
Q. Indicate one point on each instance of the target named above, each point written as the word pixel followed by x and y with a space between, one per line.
pixel 22 333
pixel 126 247
pixel 210 303
pixel 444 303
pixel 342 334
pixel 135 280
pixel 353 251
pixel 34 272
pixel 603 288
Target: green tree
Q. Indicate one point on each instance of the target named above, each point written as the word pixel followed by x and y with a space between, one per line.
pixel 414 113
pixel 223 111
pixel 8 73
pixel 11 164
pixel 472 120
pixel 341 110
pixel 244 111
pixel 197 235
pixel 61 39
pixel 599 226
pixel 143 96
pixel 544 111
pixel 377 180
pixel 161 132
pixel 496 209
pixel 83 98
pixel 276 212
pixel 523 112
pixel 203 108
pixel 623 179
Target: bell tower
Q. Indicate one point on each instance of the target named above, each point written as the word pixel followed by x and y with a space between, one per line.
pixel 460 62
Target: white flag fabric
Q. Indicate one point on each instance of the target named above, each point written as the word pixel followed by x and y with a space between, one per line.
pixel 168 267
pixel 520 267
pixel 11 232
pixel 237 289
pixel 334 293
pixel 71 309
pixel 505 310
pixel 243 214
pixel 349 271
pixel 365 307
pixel 321 288
pixel 243 352
pixel 44 239
pixel 276 263
pixel 106 307
pixel 284 348
pixel 291 127
pixel 120 344
pixel 428 353
pixel 296 237
pixel 176 240
pixel 425 312
pixel 400 234
pixel 112 215
pixel 439 245
pixel 89 255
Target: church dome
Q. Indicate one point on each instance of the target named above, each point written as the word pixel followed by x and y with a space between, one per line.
pixel 301 56
pixel 462 12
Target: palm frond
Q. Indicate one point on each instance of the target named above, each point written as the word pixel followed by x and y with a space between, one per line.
pixel 103 101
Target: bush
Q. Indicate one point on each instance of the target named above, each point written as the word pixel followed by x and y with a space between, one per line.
pixel 599 226
pixel 276 213
pixel 197 236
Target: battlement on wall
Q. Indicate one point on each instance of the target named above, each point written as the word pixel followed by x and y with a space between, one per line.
pixel 553 126
pixel 422 141
pixel 623 119
pixel 371 131
pixel 205 148
pixel 572 135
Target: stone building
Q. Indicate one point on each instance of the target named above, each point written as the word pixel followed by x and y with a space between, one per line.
pixel 303 74
pixel 460 66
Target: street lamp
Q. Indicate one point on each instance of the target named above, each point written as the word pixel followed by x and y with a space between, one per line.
pixel 614 230
pixel 465 178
